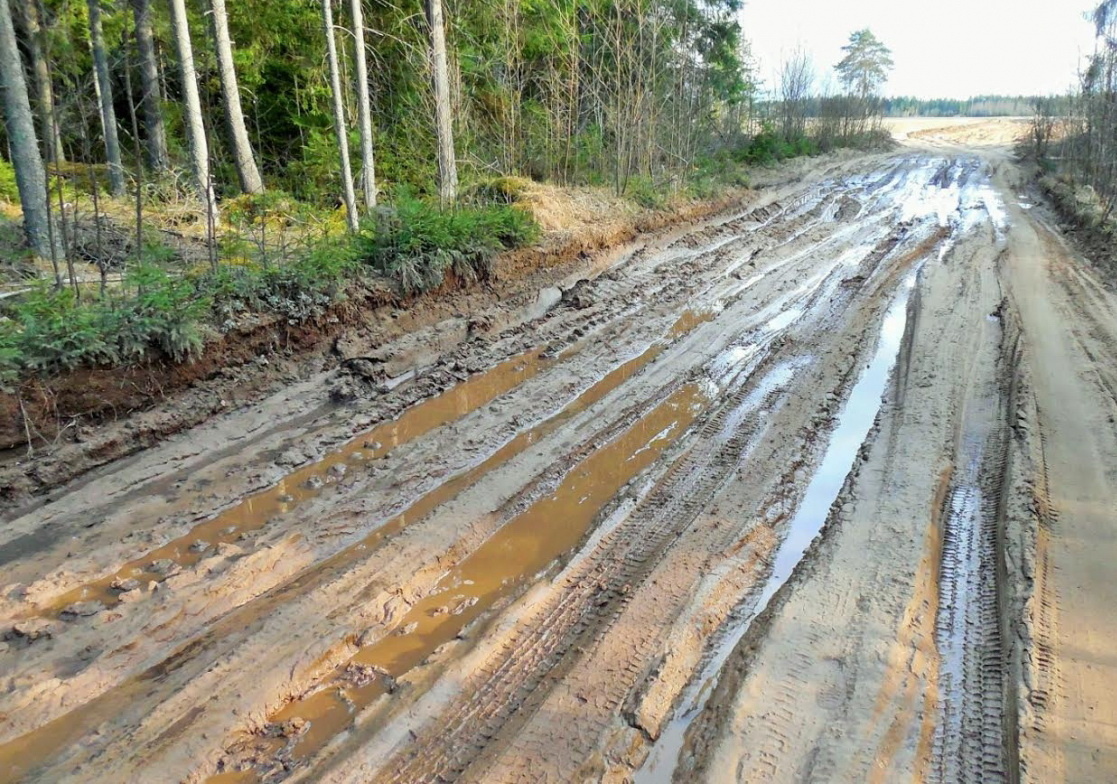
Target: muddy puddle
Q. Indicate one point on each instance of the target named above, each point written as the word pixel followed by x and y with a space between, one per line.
pixel 39 745
pixel 28 751
pixel 524 547
pixel 853 426
pixel 690 320
pixel 255 511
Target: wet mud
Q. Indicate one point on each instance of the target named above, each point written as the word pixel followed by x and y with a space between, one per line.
pixel 724 491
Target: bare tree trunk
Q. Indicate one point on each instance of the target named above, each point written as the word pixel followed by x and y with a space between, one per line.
pixel 195 128
pixel 364 107
pixel 151 96
pixel 339 117
pixel 443 115
pixel 104 92
pixel 26 159
pixel 31 20
pixel 243 157
pixel 139 174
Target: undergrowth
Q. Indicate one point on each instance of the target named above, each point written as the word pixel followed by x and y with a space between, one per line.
pixel 1082 207
pixel 8 190
pixel 415 245
pixel 159 312
pixel 47 331
pixel 769 147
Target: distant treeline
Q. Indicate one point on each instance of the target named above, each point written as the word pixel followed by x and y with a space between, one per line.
pixel 979 106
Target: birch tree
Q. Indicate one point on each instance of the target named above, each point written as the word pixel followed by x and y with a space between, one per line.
pixel 443 116
pixel 796 77
pixel 339 118
pixel 364 107
pixel 243 157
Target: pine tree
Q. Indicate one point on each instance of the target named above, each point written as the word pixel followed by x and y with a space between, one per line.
pixel 151 94
pixel 26 158
pixel 103 82
pixel 865 67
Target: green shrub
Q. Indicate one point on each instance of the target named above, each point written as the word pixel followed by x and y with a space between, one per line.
pixel 166 311
pixel 48 331
pixel 767 148
pixel 9 353
pixel 804 145
pixel 159 313
pixel 414 243
pixel 298 290
pixel 272 209
pixel 497 190
pixel 642 190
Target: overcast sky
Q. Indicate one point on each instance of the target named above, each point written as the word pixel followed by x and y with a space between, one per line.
pixel 942 48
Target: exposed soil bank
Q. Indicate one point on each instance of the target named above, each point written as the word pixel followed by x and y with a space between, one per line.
pixel 76 421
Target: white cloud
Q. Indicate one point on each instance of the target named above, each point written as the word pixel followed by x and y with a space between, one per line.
pixel 942 48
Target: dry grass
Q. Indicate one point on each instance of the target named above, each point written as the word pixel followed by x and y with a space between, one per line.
pixel 559 210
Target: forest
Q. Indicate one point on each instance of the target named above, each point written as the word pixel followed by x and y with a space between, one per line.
pixel 179 163
pixel 978 106
pixel 1073 142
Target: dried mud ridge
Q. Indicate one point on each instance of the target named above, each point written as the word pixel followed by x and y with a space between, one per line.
pixel 767 498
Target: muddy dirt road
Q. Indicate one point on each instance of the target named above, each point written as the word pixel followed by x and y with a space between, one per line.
pixel 822 489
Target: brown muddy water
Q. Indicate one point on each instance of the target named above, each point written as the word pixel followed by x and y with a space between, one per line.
pixel 254 512
pixel 522 548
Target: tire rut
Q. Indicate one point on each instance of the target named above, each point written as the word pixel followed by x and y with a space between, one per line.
pixel 593 596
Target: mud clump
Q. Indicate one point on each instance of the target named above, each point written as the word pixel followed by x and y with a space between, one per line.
pixel 82 610
pixel 580 296
pixel 164 567
pixel 30 630
pixel 357 378
pixel 361 675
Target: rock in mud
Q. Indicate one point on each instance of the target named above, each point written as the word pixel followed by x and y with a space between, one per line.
pixel 480 324
pixel 134 595
pixel 354 377
pixel 292 728
pixel 348 346
pixel 164 567
pixel 124 586
pixel 345 389
pixel 315 483
pixel 291 457
pixel 367 368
